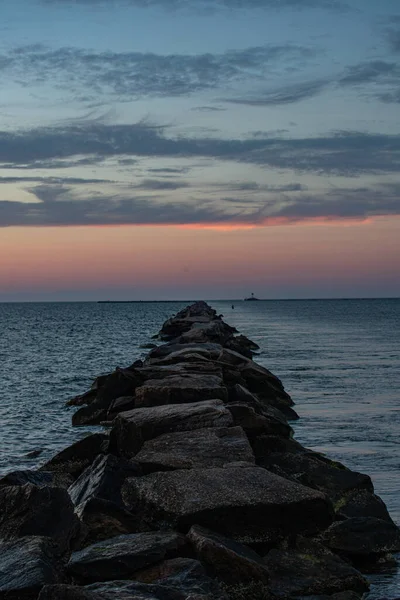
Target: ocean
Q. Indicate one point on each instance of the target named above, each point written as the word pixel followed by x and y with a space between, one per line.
pixel 339 360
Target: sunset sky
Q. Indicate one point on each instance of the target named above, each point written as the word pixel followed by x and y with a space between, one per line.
pixel 179 149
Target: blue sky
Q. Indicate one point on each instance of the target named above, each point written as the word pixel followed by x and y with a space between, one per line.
pixel 208 112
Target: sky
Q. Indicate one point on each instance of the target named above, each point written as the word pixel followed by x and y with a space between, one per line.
pixel 185 149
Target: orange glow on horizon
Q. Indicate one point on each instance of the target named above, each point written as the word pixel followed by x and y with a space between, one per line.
pixel 192 257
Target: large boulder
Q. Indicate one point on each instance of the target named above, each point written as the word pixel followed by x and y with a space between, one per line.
pixel 120 557
pixel 41 479
pixel 255 424
pixel 327 476
pixel 307 568
pixel 361 503
pixel 122 382
pixel 26 565
pixel 177 389
pixel 174 353
pixel 63 591
pixel 102 519
pixel 226 559
pixel 134 427
pixel 211 447
pixel 184 574
pixel 103 479
pixel 193 364
pixel 215 331
pixel 248 504
pixel 29 510
pixel 77 457
pixel 362 536
pixel 174 579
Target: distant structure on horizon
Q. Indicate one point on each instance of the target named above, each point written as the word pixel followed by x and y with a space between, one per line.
pixel 252 298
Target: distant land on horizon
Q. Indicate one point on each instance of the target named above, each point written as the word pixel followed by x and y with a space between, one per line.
pixel 232 300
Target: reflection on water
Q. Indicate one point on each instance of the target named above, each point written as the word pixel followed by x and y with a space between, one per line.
pixel 339 359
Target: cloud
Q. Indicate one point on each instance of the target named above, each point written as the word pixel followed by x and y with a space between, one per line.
pixel 252 186
pixel 134 75
pixel 169 170
pixel 159 185
pixel 393 38
pixel 285 95
pixel 208 109
pixel 371 72
pixel 341 153
pixel 378 78
pixel 54 180
pixel 58 206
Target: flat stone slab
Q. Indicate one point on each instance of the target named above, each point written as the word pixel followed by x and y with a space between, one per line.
pixel 26 564
pixel 133 427
pixel 211 447
pixel 248 504
pixel 183 388
pixel 121 556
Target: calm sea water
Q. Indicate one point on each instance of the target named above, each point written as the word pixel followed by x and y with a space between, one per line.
pixel 339 359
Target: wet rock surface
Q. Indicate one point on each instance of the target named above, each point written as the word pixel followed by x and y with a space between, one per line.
pixel 196 490
pixel 132 428
pixel 212 447
pixel 29 510
pixel 26 565
pixel 248 504
pixel 120 557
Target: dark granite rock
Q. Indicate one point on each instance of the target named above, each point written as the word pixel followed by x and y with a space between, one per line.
pixel 265 445
pixel 362 536
pixel 172 353
pixel 175 579
pixel 37 478
pixel 255 424
pixel 93 414
pixel 103 479
pixel 29 510
pixel 132 428
pixel 185 574
pixel 242 345
pixel 77 457
pixel 180 389
pixel 215 331
pixel 67 592
pixel 226 559
pixel 308 568
pixel 249 505
pixel 86 398
pixel 327 476
pixel 193 364
pixel 361 503
pixel 212 447
pixel 26 564
pixel 122 382
pixel 102 519
pixel 120 557
pixel 121 404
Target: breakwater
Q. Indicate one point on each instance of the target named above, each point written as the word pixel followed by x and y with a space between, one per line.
pixel 201 442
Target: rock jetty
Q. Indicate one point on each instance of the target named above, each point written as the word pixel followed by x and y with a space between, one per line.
pixel 195 489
